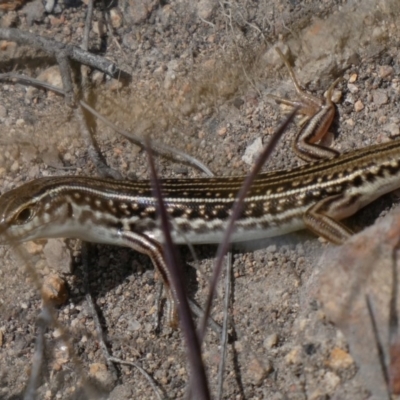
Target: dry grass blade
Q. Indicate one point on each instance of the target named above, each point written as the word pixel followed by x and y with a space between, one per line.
pixel 224 333
pixel 379 347
pixel 237 209
pixel 199 384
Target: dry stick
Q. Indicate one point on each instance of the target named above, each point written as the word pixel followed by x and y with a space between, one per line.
pixel 161 150
pixel 224 336
pixel 85 46
pixel 88 23
pixel 236 211
pixel 198 312
pixel 52 47
pixel 198 379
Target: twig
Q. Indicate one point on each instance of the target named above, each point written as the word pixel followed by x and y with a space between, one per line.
pixel 88 23
pixel 199 313
pixel 52 47
pixel 85 47
pixel 93 151
pixel 143 372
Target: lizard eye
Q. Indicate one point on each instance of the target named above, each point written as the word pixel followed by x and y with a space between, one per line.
pixel 24 216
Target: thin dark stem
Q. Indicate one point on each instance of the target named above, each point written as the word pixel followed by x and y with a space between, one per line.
pixel 199 384
pixel 236 211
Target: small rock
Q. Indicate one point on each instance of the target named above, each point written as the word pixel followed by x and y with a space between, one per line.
pixel 33 172
pixel 124 391
pixel 61 355
pixel 352 88
pixel 271 341
pixel 9 20
pixel 252 151
pixel 49 5
pixel 238 346
pixel 358 106
pixel 99 28
pixel 353 78
pixel 379 33
pixel 116 17
pixel 257 372
pixel 294 356
pixel 114 84
pixel 380 97
pixel 222 131
pixel 97 368
pixel 331 381
pixel 33 248
pixel 1 338
pixel 50 75
pixel 336 96
pixel 134 325
pixel 139 11
pixel 34 11
pixel 385 71
pixel 392 128
pixel 97 77
pixel 54 290
pixel 54 21
pixel 339 359
pixel 57 333
pixel 14 166
pixel 205 8
pixel 57 256
pixel 67 157
pixel 51 157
